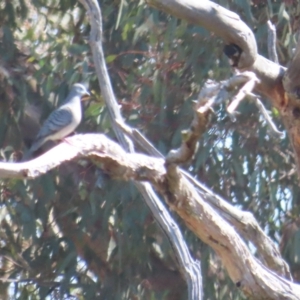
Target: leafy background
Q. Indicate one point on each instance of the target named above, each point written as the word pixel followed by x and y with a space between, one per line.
pixel 75 233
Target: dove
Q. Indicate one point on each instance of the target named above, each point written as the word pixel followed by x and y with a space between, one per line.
pixel 62 121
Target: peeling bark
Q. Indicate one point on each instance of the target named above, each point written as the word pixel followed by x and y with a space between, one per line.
pixel 254 279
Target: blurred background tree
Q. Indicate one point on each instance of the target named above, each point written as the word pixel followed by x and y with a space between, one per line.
pixel 75 233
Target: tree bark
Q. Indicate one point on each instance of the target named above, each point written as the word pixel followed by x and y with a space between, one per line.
pixel 279 85
pixel 250 275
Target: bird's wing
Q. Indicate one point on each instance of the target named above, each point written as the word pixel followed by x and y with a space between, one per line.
pixel 57 120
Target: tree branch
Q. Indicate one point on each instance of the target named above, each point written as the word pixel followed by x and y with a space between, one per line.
pixel 247 272
pixel 247 226
pixel 215 18
pixel 189 268
pixel 229 27
pixel 272 42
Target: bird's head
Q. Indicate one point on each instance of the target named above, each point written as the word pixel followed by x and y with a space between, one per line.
pixel 80 89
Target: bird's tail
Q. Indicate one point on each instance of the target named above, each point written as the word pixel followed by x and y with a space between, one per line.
pixel 29 154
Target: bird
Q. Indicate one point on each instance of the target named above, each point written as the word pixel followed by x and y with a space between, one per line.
pixel 233 52
pixel 62 121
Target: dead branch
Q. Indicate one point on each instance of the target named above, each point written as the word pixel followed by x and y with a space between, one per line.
pixel 272 42
pixel 228 26
pixel 244 222
pixel 248 273
pixel 250 80
pixel 213 93
pixel 189 267
pixel 271 126
pixel 279 85
pixel 224 23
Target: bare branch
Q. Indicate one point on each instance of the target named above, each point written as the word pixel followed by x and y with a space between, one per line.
pixel 250 80
pixel 272 42
pixel 244 222
pixel 281 87
pixel 211 94
pixel 273 129
pixel 255 280
pixel 189 268
pixel 228 26
pixel 252 277
pixel 217 19
pixel 248 228
pixel 237 87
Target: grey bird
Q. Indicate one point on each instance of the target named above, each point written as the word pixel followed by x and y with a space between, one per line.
pixel 62 121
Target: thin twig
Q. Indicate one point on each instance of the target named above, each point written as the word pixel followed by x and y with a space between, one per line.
pixel 250 80
pixel 272 127
pixel 272 42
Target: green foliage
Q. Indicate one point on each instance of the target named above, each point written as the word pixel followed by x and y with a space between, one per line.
pixel 75 233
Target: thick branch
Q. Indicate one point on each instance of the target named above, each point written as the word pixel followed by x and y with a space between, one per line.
pixel 244 222
pixel 255 280
pixel 291 111
pixel 283 90
pixel 215 18
pixel 229 27
pixel 84 145
pixel 292 78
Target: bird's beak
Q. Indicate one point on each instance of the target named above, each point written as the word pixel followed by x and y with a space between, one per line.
pixel 86 96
